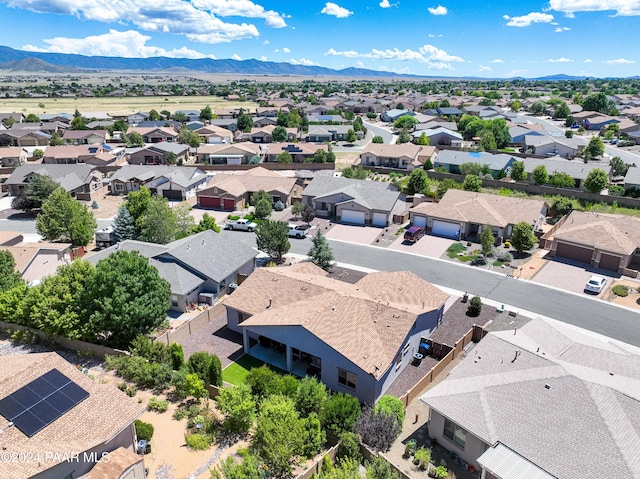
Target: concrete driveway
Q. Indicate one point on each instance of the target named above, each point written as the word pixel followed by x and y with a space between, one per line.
pixel 570 276
pixel 353 233
pixel 431 246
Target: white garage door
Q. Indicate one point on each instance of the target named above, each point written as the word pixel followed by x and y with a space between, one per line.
pixel 442 228
pixel 353 216
pixel 419 221
pixel 379 219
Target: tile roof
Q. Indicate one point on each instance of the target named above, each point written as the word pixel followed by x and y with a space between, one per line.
pixel 482 208
pixel 608 232
pixel 371 194
pixel 568 402
pixel 365 322
pixel 92 422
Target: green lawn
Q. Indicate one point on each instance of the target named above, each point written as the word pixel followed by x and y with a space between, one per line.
pixel 236 372
pixel 454 249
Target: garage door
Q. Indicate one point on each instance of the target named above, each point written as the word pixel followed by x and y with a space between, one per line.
pixel 209 201
pixel 610 262
pixel 443 228
pixel 420 221
pixel 379 219
pixel 229 205
pixel 353 216
pixel 577 253
pixel 172 194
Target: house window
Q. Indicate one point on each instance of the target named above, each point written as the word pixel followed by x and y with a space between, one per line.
pixel 405 350
pixel 398 361
pixel 346 378
pixel 118 186
pixel 454 432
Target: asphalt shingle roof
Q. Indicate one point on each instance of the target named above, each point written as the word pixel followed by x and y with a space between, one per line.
pixel 372 194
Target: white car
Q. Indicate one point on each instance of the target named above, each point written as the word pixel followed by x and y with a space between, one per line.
pixel 596 284
pixel 298 231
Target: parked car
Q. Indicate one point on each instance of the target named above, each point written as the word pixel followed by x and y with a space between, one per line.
pixel 414 233
pixel 595 284
pixel 241 225
pixel 298 231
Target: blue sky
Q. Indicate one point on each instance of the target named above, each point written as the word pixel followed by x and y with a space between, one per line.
pixel 459 38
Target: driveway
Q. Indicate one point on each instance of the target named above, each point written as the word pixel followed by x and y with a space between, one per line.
pixel 354 234
pixel 430 246
pixel 569 275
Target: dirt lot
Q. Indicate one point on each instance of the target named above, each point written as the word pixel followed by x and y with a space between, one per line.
pixel 107 206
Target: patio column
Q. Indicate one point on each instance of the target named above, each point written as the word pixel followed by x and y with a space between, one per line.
pixel 289 358
pixel 484 473
pixel 245 340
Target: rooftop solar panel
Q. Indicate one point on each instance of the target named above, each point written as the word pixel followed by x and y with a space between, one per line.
pixel 37 404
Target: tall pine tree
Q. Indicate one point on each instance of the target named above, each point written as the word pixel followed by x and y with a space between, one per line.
pixel 124 227
pixel 320 254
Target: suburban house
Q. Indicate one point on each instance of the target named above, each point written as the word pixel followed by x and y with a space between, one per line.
pixel 462 214
pixel 233 191
pixel 632 178
pixel 192 115
pixel 171 182
pixel 10 238
pixel 324 118
pixel 348 200
pixel 404 156
pixel 155 134
pixel 23 137
pixel 76 179
pixel 597 122
pixel 606 241
pixel 198 268
pixel 262 121
pixel 328 133
pixel 86 137
pixel 138 117
pixel 214 134
pixel 544 401
pixel 356 338
pixel 11 156
pixel 552 145
pixel 228 154
pixel 265 134
pixel 51 411
pixel 34 261
pixel 157 153
pixel 518 132
pixel 230 124
pixel 577 169
pixel 451 160
pixel 393 115
pixel 439 136
pixel 299 152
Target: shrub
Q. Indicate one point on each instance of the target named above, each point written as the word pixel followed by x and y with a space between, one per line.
pixel 378 430
pixel 341 413
pixel 621 290
pixel 505 258
pixel 157 405
pixel 423 456
pixel 199 363
pixel 144 430
pixel 391 405
pixel 180 413
pixel 198 441
pixel 349 446
pixel 475 306
pixel 410 448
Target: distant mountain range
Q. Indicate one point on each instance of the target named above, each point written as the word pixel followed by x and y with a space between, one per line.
pixel 20 60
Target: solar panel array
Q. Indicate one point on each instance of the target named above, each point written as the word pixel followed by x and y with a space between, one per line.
pixel 36 405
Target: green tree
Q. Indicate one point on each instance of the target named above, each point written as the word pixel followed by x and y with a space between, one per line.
pixel 297 208
pixel 311 396
pixel 538 108
pixel 377 139
pixel 540 175
pixel 206 114
pixel 65 218
pixel 308 214
pixel 380 468
pixel 341 412
pixel 351 136
pixel 251 467
pixel 272 237
pixel 206 223
pixel 195 387
pixel 38 153
pixel 279 134
pixel 487 239
pixel 244 122
pixel 32 118
pixel 134 139
pixel 154 115
pixel 600 103
pixel 562 111
pixel 562 206
pixel 120 125
pixel 124 227
pixel 516 105
pixel 279 435
pixel 357 172
pixel 138 202
pixel 259 195
pixel 177 356
pixel 56 139
pixel 37 191
pixel 9 277
pixel 568 134
pixel 487 141
pixel 238 407
pixel 423 139
pixel 185 222
pixel 470 168
pixel 403 137
pixel 472 183
pixel 180 117
pixel 569 121
pixel 320 156
pixel 320 253
pixel 285 157
pixel 523 238
pixel 594 149
pixel 618 167
pixel 263 209
pixel 517 171
pixel 392 406
pixel 405 122
pixel 314 435
pixel 445 185
pixel 562 180
pixel 126 297
pixel 596 181
pixel 418 181
pixel 158 224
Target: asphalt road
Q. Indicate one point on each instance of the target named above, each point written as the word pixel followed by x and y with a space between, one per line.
pixel 387 136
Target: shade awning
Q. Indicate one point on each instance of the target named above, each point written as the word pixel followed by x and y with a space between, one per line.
pixel 504 463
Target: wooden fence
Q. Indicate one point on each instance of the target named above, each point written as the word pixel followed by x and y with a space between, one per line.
pixel 97 350
pixel 317 464
pixel 190 327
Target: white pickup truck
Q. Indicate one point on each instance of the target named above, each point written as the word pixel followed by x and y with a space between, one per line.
pixel 241 225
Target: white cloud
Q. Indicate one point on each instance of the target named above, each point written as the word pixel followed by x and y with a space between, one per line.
pixel 562 29
pixel 515 73
pixel 560 60
pixel 569 15
pixel 497 60
pixel 277 50
pixel 439 10
pixel 286 50
pixel 335 10
pixel 303 61
pixel 235 56
pixel 618 61
pixel 386 4
pixel 432 56
pixel 128 44
pixel 528 19
pixel 588 60
pixel 360 64
pixel 263 58
pixel 266 42
pixel 198 20
pixel 621 7
pixel 484 68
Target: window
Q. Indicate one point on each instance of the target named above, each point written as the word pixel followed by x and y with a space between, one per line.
pixel 405 350
pixel 346 378
pixel 454 432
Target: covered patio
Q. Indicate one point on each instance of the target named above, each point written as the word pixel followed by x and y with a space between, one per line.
pixel 285 357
